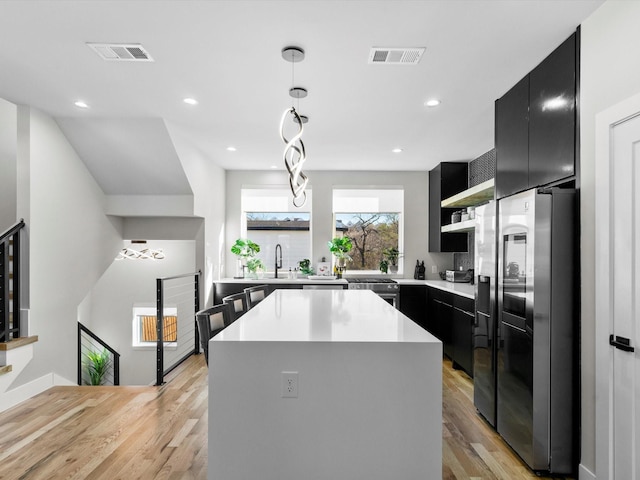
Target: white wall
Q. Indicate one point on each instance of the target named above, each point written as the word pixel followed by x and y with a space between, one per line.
pixel 133 282
pixel 70 240
pixel 610 73
pixel 416 205
pixel 8 163
pixel 207 182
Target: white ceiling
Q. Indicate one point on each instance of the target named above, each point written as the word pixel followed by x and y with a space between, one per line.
pixel 227 55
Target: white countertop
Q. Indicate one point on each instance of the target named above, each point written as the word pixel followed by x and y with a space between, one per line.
pixel 463 289
pixel 271 281
pixel 324 316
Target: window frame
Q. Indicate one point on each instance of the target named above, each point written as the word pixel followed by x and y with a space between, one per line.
pixel 359 192
pixel 140 311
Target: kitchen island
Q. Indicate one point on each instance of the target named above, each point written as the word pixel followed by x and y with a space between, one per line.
pixel 320 384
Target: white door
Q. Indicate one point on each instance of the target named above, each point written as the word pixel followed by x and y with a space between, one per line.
pixel 618 292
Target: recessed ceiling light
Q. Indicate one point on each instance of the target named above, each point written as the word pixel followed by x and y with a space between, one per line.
pixel 190 101
pixel 274 166
pixel 81 104
pixel 396 150
pixel 432 103
pixel 231 149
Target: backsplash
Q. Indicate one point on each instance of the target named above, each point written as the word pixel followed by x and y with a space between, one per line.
pixel 480 170
pixel 464 260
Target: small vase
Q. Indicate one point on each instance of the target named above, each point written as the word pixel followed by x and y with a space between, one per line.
pixel 341 267
pixel 393 269
pixel 240 268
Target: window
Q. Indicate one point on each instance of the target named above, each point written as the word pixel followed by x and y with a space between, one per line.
pixel 144 326
pixel 269 218
pixel 372 218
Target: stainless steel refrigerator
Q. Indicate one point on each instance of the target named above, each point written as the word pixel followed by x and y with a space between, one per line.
pixel 536 327
pixel 484 328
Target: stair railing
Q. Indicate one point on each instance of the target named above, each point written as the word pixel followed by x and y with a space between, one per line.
pixel 10 282
pixel 90 342
pixel 181 292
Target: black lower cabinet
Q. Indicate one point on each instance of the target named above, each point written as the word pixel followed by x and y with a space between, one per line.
pixel 413 303
pixel 440 318
pixel 450 319
pixel 463 320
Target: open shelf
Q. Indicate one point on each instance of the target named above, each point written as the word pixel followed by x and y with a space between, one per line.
pixel 471 197
pixel 466 226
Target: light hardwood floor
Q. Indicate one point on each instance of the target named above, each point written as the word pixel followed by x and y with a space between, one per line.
pixel 161 432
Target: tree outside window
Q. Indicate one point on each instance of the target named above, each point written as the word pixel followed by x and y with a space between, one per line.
pixel 371 233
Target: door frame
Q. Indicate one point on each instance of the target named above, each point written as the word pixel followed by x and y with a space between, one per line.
pixel 605 121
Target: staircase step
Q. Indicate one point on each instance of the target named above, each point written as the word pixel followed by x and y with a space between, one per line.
pixel 18 342
pixel 5 369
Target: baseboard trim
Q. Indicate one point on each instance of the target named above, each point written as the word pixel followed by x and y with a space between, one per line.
pixel 11 398
pixel 585 474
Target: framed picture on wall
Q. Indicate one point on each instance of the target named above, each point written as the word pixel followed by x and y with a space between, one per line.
pixel 324 268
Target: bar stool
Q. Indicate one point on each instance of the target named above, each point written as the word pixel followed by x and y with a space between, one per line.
pixel 256 294
pixel 238 302
pixel 212 321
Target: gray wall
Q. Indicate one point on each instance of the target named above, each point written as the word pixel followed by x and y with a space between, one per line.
pixel 610 73
pixel 416 205
pixel 70 240
pixel 8 164
pixel 129 283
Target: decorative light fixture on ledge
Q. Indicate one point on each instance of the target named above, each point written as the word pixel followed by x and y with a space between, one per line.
pixel 133 254
pixel 294 153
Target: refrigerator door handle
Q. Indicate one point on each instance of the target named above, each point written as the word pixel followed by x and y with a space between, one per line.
pixel 485 315
pixel 621 343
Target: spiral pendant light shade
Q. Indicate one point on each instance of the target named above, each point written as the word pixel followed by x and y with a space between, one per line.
pixel 294 157
pixel 294 154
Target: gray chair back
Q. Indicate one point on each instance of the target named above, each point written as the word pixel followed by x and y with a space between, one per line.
pixel 238 302
pixel 212 321
pixel 256 294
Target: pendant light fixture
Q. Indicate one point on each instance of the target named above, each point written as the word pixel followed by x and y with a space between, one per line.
pixel 294 153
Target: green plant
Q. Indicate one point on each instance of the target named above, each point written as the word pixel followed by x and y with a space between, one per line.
pixel 254 265
pixel 340 247
pixel 97 365
pixel 384 266
pixel 391 254
pixel 245 248
pixel 305 267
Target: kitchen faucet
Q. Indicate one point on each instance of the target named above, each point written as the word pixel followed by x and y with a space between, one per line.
pixel 278 264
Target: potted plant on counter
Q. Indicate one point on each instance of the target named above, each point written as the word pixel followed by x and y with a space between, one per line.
pixel 391 256
pixel 244 249
pixel 384 265
pixel 255 267
pixel 340 248
pixel 305 267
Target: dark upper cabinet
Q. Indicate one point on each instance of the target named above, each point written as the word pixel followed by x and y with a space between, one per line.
pixel 445 180
pixel 535 129
pixel 552 116
pixel 512 140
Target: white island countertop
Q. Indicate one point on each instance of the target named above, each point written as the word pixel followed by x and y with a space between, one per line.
pixel 324 384
pixel 324 316
pixel 302 280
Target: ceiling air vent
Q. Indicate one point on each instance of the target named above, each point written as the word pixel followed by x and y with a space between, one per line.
pixel 396 56
pixel 121 52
